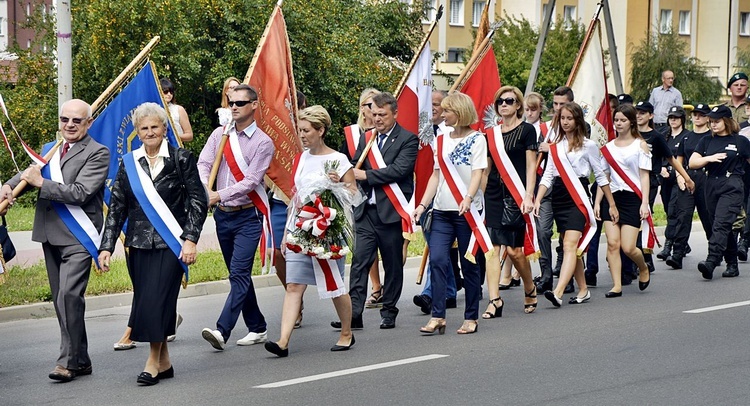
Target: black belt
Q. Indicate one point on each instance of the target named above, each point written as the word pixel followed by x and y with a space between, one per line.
pixel 230 209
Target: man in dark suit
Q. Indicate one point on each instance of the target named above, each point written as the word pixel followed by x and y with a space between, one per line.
pixel 72 193
pixel 377 223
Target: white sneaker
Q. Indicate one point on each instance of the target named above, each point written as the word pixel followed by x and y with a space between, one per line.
pixel 253 338
pixel 214 337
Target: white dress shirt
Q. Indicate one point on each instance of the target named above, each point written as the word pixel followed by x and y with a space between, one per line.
pixel 583 160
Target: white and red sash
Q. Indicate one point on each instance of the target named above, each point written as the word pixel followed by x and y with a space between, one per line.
pixel 513 183
pixel 403 206
pixel 577 192
pixel 648 233
pixel 459 189
pixel 351 137
pixel 238 167
pixel 327 277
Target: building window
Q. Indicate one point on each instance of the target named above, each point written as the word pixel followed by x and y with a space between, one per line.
pixel 44 13
pixel 476 14
pixel 569 17
pixel 28 11
pixel 665 22
pixel 28 44
pixel 455 55
pixel 745 24
pixel 684 22
pixel 457 12
pixel 428 11
pixel 3 21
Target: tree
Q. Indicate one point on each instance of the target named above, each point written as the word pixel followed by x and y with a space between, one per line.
pixel 657 53
pixel 514 46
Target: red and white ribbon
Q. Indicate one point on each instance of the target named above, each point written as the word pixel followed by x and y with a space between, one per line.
pixel 315 218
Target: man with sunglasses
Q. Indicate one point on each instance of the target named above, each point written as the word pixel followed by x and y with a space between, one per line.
pixel 239 182
pixel 67 222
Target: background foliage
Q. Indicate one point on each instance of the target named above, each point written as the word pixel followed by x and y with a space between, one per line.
pixel 657 53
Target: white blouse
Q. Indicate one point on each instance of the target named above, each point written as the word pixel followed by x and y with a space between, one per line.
pixel 631 159
pixel 583 160
pixel 467 154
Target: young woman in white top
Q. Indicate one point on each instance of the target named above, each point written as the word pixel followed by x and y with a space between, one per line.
pixel 224 112
pixel 570 205
pixel 621 225
pixel 467 151
pixel 176 112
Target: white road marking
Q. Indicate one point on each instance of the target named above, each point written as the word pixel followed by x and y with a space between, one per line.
pixel 351 371
pixel 720 307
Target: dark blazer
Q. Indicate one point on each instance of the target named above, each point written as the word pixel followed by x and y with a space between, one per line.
pixel 182 191
pixel 84 170
pixel 400 155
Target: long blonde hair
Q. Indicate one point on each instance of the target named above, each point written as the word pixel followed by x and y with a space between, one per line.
pixel 225 89
pixel 366 94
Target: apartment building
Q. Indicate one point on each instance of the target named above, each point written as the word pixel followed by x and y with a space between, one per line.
pixel 715 29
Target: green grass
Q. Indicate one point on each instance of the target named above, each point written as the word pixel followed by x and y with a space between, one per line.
pixel 20 218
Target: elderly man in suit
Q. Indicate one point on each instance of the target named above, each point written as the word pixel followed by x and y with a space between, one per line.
pixel 67 222
pixel 377 222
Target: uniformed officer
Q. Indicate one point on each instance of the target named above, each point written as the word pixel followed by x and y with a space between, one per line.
pixel 722 155
pixel 686 202
pixel 677 131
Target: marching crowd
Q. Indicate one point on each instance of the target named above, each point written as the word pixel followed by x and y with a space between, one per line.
pixel 487 209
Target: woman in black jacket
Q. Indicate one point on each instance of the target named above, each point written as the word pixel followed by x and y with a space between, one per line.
pixel 158 191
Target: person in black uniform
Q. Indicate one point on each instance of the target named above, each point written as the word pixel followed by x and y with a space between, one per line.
pixel 677 131
pixel 722 155
pixel 686 202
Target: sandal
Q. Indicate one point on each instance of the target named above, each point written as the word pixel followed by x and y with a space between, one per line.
pixel 375 300
pixel 469 327
pixel 498 309
pixel 530 308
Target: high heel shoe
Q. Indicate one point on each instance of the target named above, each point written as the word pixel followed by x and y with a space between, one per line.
pixel 643 285
pixel 469 327
pixel 498 309
pixel 531 307
pixel 433 325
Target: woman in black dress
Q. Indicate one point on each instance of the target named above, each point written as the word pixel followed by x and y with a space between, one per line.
pixel 176 196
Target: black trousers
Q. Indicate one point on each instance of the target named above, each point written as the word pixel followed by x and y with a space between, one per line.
pixel 667 186
pixel 685 204
pixel 372 235
pixel 724 197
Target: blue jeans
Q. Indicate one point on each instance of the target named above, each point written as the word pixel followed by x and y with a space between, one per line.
pixel 239 233
pixel 427 291
pixel 447 226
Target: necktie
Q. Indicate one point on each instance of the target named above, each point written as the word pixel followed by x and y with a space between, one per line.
pixel 381 140
pixel 66 147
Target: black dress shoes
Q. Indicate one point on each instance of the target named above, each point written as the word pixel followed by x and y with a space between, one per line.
pixel 343 347
pixel 274 348
pixel 674 261
pixel 611 294
pixel 387 323
pixel 424 302
pixel 731 271
pixel 62 374
pixel 590 279
pixel 706 269
pixel 169 373
pixel 543 285
pixel 450 303
pixel 357 324
pixel 146 379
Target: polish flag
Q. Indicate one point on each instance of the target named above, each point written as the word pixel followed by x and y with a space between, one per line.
pixel 481 85
pixel 588 79
pixel 415 115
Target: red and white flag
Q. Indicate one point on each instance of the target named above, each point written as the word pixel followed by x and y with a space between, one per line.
pixel 481 86
pixel 588 79
pixel 415 115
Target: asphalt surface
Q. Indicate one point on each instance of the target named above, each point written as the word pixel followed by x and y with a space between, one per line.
pixel 641 348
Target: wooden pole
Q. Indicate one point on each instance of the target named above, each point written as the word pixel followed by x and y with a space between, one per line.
pixel 540 47
pixel 423 264
pixel 613 59
pixel 219 153
pixel 584 45
pixel 137 61
pixel 22 185
pixel 404 78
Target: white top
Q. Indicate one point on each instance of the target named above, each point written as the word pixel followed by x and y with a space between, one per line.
pixel 174 113
pixel 583 160
pixel 159 164
pixel 314 168
pixel 631 159
pixel 467 154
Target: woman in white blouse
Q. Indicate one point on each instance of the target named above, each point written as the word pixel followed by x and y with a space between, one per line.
pixel 570 200
pixel 632 154
pixel 466 151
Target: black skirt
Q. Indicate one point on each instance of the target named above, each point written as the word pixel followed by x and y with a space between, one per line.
pixel 628 206
pixel 156 276
pixel 566 213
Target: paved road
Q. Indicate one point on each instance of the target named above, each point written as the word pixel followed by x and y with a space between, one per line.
pixel 639 349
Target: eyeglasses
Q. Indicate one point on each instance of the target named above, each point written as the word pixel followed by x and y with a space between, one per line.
pixel 76 121
pixel 509 101
pixel 368 105
pixel 240 103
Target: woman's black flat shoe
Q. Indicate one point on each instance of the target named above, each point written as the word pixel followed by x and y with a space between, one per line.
pixel 613 294
pixel 169 373
pixel 147 379
pixel 343 347
pixel 274 348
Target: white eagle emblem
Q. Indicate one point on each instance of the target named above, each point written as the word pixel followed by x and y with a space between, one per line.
pixel 426 133
pixel 490 117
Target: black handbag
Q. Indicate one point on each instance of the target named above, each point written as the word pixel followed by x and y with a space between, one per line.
pixel 512 216
pixel 9 250
pixel 426 221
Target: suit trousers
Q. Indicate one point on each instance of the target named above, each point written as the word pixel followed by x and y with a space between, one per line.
pixel 239 233
pixel 544 231
pixel 68 270
pixel 372 235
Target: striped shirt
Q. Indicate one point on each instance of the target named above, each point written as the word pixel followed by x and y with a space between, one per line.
pixel 663 100
pixel 257 149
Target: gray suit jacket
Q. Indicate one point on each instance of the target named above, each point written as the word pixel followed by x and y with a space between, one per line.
pixel 84 169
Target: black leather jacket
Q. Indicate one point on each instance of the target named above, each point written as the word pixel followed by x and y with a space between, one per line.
pixel 184 195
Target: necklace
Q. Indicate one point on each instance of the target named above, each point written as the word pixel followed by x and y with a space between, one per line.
pixel 152 157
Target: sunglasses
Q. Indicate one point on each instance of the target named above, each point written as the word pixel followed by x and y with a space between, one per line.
pixel 240 103
pixel 509 101
pixel 165 91
pixel 368 105
pixel 76 121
